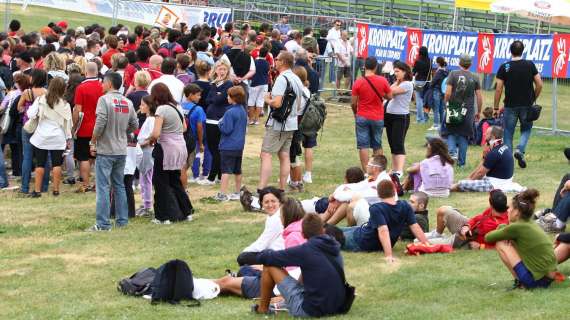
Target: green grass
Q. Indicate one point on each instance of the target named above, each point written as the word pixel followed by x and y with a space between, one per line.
pixel 50 268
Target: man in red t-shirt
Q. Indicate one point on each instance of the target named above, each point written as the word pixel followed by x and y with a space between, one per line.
pixel 112 44
pixel 470 231
pixel 368 94
pixel 86 96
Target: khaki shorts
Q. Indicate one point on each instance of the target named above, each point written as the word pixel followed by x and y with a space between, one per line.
pixel 276 141
pixel 454 220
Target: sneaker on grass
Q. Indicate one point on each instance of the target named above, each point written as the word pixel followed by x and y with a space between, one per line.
pixel 205 182
pixel 307 178
pixel 96 228
pixel 519 156
pixel 156 221
pixel 142 211
pixel 221 197
pixel 234 196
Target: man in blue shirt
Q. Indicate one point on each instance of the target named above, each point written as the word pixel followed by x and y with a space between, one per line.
pixel 387 221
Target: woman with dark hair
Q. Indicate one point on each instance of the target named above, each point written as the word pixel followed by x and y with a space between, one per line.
pixel 217 101
pixel 438 108
pixel 270 200
pixel 38 84
pixel 523 247
pixel 433 175
pixel 397 118
pixel 51 134
pixel 75 80
pixel 171 203
pixel 421 71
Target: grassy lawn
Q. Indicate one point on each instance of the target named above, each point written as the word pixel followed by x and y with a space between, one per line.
pixel 50 268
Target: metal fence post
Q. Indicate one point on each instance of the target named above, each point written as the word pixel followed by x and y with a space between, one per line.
pixel 7 16
pixel 554 105
pixel 115 12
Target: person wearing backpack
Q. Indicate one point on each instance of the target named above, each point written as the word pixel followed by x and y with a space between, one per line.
pixel 438 108
pixel 462 89
pixel 322 291
pixel 368 94
pixel 196 120
pixel 285 101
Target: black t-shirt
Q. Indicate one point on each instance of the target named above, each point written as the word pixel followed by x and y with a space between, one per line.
pixel 322 42
pixel 500 162
pixel 421 69
pixel 276 47
pixel 518 77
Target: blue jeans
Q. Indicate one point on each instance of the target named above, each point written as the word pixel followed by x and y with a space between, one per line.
pixel 562 209
pixel 27 162
pixel 349 242
pixel 3 175
pixel 321 66
pixel 421 117
pixel 511 115
pixel 369 133
pixel 332 71
pixel 110 170
pixel 438 108
pixel 453 142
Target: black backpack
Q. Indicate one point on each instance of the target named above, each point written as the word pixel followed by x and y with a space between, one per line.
pixel 138 284
pixel 281 114
pixel 173 282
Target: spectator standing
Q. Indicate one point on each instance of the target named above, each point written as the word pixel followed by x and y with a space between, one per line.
pixel 367 105
pixel 143 55
pixel 112 43
pixel 439 107
pixel 276 44
pixel 278 135
pixel 259 85
pixel 302 59
pixel 115 119
pixel 294 44
pixel 283 25
pixel 171 202
pixel 52 132
pixel 397 118
pixel 421 71
pixel 173 84
pixel 522 84
pixel 344 54
pixel 462 89
pixel 146 164
pixel 86 96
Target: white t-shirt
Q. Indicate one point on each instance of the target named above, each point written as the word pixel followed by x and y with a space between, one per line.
pixel 271 237
pixel 48 135
pixel 343 49
pixel 292 46
pixel 345 192
pixel 279 89
pixel 400 104
pixel 176 86
pixel 146 130
pixel 371 193
pixel 134 156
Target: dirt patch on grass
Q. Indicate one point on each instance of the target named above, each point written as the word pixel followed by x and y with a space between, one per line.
pixel 27 241
pixel 252 146
pixel 71 259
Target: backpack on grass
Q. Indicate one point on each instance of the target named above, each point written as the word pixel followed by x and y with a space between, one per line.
pixel 138 284
pixel 173 283
pixel 313 117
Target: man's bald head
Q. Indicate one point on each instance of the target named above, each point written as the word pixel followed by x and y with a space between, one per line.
pixel 91 69
pixel 155 61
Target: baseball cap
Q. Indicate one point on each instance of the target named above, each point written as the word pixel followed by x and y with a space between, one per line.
pixel 62 24
pixel 465 60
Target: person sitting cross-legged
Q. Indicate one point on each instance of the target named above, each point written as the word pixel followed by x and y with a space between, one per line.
pixel 322 291
pixel 497 169
pixel 523 247
pixel 387 220
pixel 554 220
pixel 470 231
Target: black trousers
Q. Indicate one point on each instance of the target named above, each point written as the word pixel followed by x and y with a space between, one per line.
pixel 170 199
pixel 16 151
pixel 213 136
pixel 557 196
pixel 128 180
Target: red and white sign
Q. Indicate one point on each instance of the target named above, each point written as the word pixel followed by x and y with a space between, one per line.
pixel 414 44
pixel 485 52
pixel 560 53
pixel 362 36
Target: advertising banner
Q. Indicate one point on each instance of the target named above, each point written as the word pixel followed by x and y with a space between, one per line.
pixel 151 13
pixel 550 53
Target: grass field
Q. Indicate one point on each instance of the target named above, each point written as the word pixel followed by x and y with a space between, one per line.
pixel 51 269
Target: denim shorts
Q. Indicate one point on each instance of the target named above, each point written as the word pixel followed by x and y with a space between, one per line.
pixel 294 293
pixel 231 161
pixel 251 287
pixel 349 241
pixel 525 277
pixel 369 133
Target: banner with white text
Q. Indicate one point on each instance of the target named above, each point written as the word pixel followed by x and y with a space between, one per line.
pixel 489 51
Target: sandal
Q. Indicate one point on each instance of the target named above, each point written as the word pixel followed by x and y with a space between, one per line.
pixel 255 307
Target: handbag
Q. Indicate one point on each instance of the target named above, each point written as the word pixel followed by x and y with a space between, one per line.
pixel 32 124
pixel 349 291
pixel 533 113
pixel 420 87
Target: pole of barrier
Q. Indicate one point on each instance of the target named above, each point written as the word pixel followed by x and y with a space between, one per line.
pixel 115 12
pixel 7 16
pixel 420 14
pixel 554 105
pixel 508 23
pixel 454 18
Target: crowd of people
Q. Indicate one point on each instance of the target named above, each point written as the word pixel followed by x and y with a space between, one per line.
pixel 146 106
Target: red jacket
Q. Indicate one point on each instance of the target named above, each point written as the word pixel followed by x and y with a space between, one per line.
pixel 485 223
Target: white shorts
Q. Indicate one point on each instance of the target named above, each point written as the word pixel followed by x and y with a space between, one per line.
pixel 256 95
pixel 361 212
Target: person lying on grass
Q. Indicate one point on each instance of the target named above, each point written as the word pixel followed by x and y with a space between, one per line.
pixel 419 202
pixel 523 247
pixel 562 247
pixel 470 231
pixel 387 220
pixel 320 291
pixel 354 205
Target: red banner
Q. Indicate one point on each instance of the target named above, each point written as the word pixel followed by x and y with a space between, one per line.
pixel 485 52
pixel 362 36
pixel 414 44
pixel 560 53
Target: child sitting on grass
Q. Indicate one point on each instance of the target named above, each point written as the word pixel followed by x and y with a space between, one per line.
pixel 523 247
pixel 232 127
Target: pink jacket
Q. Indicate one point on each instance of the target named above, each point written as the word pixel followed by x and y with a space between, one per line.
pixel 293 235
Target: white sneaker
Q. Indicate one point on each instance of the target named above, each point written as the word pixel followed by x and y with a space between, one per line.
pixel 193 180
pixel 205 182
pixel 307 178
pixel 433 128
pixel 433 235
pixel 234 196
pixel 221 197
pixel 189 218
pixel 217 181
